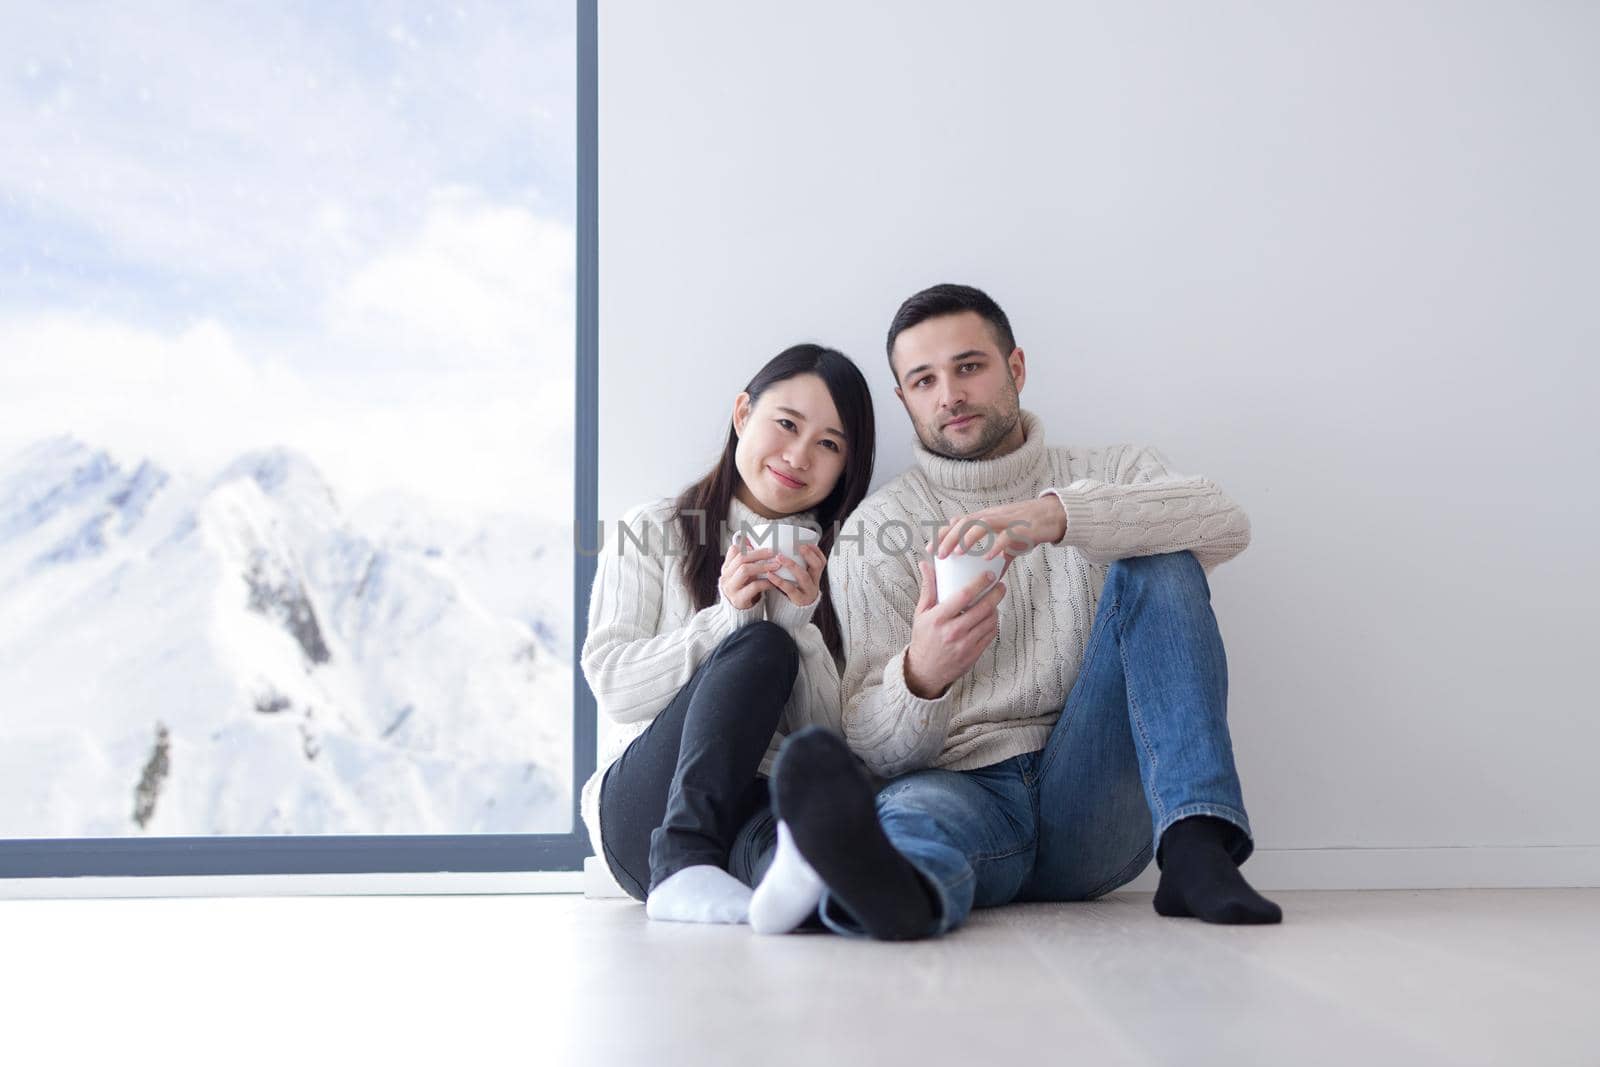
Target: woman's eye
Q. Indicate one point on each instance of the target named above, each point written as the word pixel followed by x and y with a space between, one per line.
pixel 786 424
pixel 832 444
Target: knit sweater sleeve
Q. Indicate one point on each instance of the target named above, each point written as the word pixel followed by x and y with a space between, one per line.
pixel 1143 508
pixel 815 698
pixel 893 730
pixel 633 669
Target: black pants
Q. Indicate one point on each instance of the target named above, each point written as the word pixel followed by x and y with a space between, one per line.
pixel 686 792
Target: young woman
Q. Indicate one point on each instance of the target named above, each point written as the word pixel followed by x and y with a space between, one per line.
pixel 707 656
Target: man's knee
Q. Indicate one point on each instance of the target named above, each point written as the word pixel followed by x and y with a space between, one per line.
pixel 1172 570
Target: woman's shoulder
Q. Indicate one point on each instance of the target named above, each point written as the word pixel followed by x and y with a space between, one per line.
pixel 659 509
pixel 649 529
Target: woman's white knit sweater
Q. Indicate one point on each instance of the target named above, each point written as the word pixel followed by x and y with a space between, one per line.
pixel 646 639
pixel 1120 501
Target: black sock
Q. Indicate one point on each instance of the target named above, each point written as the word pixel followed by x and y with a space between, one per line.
pixel 822 794
pixel 1200 879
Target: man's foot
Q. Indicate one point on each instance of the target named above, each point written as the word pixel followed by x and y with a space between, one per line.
pixel 1200 879
pixel 828 805
pixel 790 891
pixel 699 894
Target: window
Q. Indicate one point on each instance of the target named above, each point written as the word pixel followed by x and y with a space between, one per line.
pixel 296 427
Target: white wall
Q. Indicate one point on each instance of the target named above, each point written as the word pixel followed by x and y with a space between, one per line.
pixel 1340 258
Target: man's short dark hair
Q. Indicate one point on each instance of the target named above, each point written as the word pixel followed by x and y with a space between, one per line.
pixel 950 299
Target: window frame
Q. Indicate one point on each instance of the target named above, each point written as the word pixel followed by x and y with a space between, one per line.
pixel 421 853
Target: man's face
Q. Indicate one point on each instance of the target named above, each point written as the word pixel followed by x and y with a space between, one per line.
pixel 958 387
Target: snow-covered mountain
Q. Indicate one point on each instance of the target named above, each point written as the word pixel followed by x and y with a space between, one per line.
pixel 238 655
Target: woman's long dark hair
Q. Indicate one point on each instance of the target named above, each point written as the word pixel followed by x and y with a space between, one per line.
pixel 712 495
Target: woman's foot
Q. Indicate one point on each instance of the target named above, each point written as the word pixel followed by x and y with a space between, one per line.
pixel 699 894
pixel 789 893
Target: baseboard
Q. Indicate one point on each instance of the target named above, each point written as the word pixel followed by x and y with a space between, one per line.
pixel 1527 867
pixel 298 885
pixel 598 881
pixel 1523 867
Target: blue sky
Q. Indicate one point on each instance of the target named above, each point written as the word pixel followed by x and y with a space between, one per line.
pixel 361 212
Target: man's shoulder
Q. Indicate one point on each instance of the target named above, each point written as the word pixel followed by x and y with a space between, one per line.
pixel 904 499
pixel 1101 463
pixel 889 521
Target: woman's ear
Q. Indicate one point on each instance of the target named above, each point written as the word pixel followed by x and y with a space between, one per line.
pixel 741 413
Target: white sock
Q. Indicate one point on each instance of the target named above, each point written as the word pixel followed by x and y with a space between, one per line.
pixel 789 893
pixel 699 894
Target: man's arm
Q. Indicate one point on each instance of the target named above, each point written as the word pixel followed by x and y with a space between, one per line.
pixel 875 597
pixel 1147 510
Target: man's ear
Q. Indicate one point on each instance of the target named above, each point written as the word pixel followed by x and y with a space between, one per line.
pixel 1018 364
pixel 741 413
pixel 899 393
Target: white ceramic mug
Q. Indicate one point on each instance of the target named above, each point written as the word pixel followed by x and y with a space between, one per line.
pixel 953 573
pixel 786 537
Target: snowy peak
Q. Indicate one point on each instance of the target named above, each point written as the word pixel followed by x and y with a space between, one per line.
pixel 47 479
pixel 62 501
pixel 292 481
pixel 280 472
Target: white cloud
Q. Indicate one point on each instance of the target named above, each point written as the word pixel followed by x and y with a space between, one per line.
pixel 196 141
pixel 487 284
pixel 442 367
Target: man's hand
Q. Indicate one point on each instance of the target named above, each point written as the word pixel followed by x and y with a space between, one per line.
pixel 1018 529
pixel 948 638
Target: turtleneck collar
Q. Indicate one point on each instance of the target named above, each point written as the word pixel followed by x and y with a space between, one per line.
pixel 740 512
pixel 1026 465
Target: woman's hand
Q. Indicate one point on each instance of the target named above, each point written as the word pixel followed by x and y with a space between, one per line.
pixel 803 591
pixel 744 575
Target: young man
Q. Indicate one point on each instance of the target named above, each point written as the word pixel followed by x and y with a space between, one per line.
pixel 1042 735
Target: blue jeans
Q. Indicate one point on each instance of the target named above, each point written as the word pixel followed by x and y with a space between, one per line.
pixel 1143 742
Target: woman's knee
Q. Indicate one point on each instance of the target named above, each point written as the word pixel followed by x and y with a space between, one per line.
pixel 766 642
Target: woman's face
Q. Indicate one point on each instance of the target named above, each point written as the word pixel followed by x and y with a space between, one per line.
pixel 791 446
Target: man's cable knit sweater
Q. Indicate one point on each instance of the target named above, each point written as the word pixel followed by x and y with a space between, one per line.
pixel 1120 501
pixel 646 639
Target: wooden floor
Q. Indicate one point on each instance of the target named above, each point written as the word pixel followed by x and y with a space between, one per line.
pixel 1458 977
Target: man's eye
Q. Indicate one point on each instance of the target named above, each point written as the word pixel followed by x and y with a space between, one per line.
pixel 964 366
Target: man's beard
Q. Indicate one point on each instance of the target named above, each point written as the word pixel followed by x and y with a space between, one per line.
pixel 998 424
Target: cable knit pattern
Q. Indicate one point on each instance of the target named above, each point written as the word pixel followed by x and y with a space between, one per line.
pixel 646 639
pixel 1120 500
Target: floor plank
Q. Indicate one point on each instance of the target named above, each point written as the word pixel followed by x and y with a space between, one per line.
pixel 1487 976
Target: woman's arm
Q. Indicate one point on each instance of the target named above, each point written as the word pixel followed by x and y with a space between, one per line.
pixel 814 700
pixel 634 670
